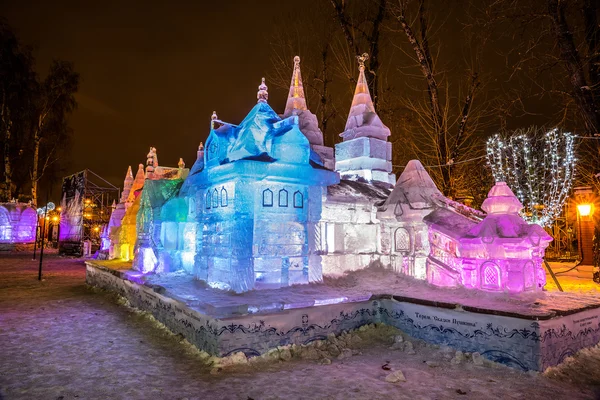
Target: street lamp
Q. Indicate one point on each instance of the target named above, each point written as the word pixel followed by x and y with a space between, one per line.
pixel 584 197
pixel 585 210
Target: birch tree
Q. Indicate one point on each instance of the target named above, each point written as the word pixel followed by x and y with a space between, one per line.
pixel 54 102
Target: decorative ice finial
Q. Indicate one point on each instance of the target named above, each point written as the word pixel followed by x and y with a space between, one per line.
pixel 200 152
pixel 214 116
pixel 262 94
pixel 149 157
pixel 361 60
pixel 296 101
pixel 151 160
pixel 181 164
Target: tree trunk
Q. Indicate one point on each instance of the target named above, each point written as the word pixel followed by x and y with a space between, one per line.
pixel 374 56
pixel 424 58
pixel 582 91
pixel 592 39
pixel 36 161
pixel 324 117
pixel 7 124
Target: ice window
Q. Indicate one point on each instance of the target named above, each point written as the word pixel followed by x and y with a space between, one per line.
pixel 191 207
pixel 267 198
pixel 224 199
pixel 208 199
pixel 402 240
pixel 215 200
pixel 283 198
pixel 212 149
pixel 298 200
pixel 490 276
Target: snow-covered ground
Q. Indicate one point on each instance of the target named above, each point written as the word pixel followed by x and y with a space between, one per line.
pixel 61 340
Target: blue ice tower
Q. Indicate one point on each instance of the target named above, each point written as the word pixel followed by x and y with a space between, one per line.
pixel 258 193
pixel 365 154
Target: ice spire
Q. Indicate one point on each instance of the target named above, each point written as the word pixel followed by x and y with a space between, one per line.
pixel 296 105
pixel 362 119
pixel 138 183
pixel 127 185
pixel 296 99
pixel 151 162
pixel 200 153
pixel 181 164
pixel 263 94
pixel 214 117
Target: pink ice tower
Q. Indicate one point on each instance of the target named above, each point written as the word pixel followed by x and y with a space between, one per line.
pixel 501 253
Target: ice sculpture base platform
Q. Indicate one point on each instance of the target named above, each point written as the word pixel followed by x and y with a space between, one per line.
pixel 530 332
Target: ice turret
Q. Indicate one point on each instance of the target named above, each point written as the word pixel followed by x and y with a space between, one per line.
pixel 151 161
pixel 412 199
pixel 414 191
pixel 296 100
pixel 126 186
pixel 362 119
pixel 138 183
pixel 309 126
pixel 365 153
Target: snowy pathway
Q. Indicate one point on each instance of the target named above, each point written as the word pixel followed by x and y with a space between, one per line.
pixel 61 340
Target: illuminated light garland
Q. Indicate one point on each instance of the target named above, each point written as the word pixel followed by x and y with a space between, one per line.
pixel 538 166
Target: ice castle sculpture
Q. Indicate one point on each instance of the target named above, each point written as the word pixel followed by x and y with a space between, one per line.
pixel 262 207
pixel 135 221
pixel 502 252
pixel 17 223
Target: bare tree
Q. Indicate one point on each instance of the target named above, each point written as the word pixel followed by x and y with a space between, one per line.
pixel 444 124
pixel 16 81
pixel 309 36
pixel 55 101
pixel 554 61
pixel 362 29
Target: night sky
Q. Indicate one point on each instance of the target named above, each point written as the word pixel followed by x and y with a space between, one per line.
pixel 151 72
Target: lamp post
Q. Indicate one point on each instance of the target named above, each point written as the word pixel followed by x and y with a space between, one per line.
pixel 585 210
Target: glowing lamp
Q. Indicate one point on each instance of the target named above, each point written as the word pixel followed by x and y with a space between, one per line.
pixel 584 210
pixel 54 219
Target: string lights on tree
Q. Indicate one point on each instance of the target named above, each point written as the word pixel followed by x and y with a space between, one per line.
pixel 538 166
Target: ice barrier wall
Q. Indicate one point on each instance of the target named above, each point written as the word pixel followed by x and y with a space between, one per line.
pixel 527 342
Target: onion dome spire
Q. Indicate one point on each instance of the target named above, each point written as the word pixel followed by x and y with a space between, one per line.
pixel 263 94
